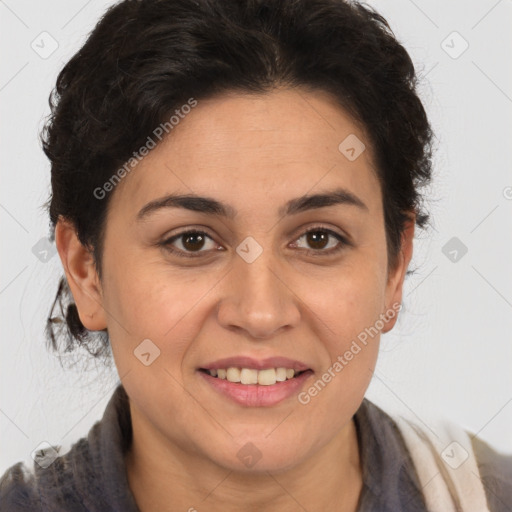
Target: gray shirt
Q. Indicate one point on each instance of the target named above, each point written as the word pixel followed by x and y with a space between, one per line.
pixel 91 476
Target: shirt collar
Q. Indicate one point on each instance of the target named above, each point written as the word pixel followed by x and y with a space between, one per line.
pixel 390 479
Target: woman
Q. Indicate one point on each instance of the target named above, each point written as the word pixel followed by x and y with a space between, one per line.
pixel 235 191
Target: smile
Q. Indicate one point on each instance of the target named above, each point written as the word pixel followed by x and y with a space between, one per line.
pixel 255 388
pixel 264 377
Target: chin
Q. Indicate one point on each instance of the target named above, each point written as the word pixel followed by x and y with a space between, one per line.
pixel 253 457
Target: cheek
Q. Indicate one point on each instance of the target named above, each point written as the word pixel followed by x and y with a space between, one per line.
pixel 348 302
pixel 346 313
pixel 159 305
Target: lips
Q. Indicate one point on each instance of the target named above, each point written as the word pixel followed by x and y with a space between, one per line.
pixel 256 395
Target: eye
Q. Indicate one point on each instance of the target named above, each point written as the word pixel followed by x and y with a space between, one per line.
pixel 189 244
pixel 191 241
pixel 318 238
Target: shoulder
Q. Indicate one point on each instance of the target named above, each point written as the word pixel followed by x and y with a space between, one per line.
pixel 18 490
pixel 52 482
pixel 495 473
pixel 472 468
pixel 87 476
pixel 492 468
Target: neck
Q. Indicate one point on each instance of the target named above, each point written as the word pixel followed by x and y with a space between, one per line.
pixel 164 478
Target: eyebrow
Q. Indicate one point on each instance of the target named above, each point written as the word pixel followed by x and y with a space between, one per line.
pixel 195 203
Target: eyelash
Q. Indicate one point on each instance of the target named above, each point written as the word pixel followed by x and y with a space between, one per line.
pixel 310 252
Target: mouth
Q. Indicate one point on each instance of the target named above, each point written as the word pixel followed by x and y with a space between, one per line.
pixel 249 387
pixel 251 376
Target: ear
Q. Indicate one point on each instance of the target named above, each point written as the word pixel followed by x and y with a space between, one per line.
pixel 396 276
pixel 83 280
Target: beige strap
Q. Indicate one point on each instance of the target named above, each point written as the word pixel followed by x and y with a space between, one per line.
pixel 446 465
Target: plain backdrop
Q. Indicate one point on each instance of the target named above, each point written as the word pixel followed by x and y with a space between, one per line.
pixel 450 353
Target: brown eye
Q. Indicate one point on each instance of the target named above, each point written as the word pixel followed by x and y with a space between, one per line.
pixel 322 241
pixel 317 239
pixel 193 241
pixel 187 243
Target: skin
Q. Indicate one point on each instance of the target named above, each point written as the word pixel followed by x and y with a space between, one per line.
pixel 253 153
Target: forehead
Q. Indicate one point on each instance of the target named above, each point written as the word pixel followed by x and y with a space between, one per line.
pixel 260 146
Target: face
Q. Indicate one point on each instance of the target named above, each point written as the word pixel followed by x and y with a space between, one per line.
pixel 277 276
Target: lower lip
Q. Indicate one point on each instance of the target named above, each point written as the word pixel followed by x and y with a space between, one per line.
pixel 257 395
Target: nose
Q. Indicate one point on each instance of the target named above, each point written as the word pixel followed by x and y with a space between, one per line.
pixel 258 299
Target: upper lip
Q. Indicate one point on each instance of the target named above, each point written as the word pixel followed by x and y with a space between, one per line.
pixel 256 364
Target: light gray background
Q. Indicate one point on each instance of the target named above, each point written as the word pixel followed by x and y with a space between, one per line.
pixel 449 355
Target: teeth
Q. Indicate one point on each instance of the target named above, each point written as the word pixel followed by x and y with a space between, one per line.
pixel 281 374
pixel 265 377
pixel 233 375
pixel 248 376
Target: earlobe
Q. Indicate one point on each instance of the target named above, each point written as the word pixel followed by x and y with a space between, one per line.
pixel 81 274
pixel 396 278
